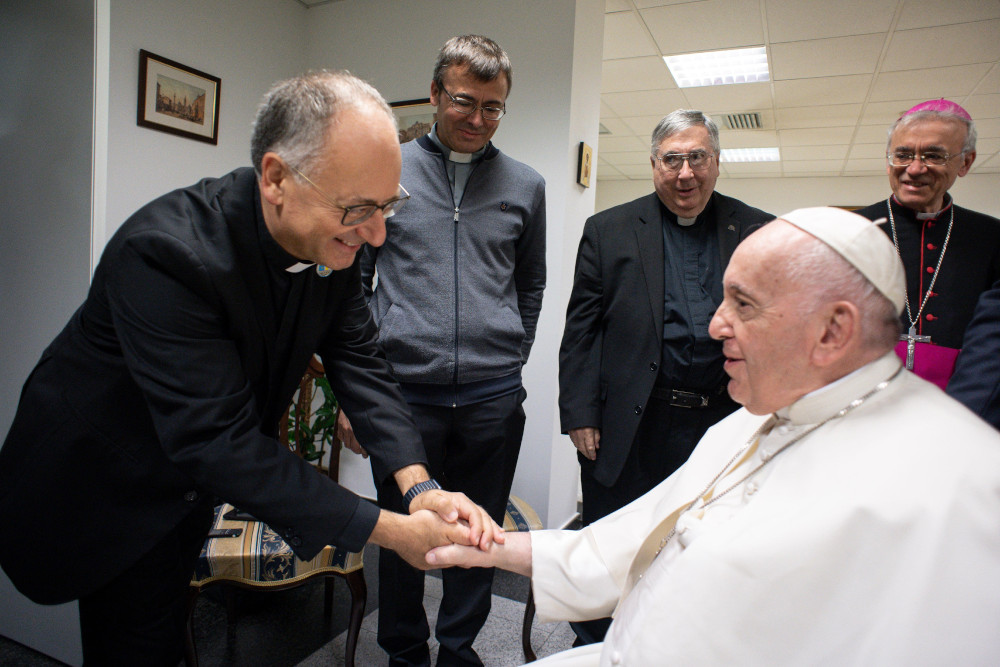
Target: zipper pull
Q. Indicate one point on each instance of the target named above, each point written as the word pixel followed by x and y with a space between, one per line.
pixel 456 214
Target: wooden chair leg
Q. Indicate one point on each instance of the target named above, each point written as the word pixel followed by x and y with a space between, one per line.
pixel 359 597
pixel 529 617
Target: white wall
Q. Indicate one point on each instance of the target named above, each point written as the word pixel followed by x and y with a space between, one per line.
pixel 781 195
pixel 553 105
pixel 249 48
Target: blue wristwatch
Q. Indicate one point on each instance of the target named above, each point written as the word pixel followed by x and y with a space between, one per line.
pixel 417 489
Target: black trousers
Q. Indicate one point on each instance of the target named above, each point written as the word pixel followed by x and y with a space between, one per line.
pixel 138 618
pixel 472 449
pixel 663 442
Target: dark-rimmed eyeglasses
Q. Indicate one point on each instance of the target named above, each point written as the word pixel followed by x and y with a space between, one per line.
pixel 466 106
pixel 903 158
pixel 675 161
pixel 355 215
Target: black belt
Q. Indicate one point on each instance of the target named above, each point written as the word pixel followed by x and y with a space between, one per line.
pixel 680 398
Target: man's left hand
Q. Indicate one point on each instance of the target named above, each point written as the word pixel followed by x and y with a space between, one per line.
pixel 454 506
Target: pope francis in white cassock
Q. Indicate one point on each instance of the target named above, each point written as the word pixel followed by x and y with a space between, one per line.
pixel 849 514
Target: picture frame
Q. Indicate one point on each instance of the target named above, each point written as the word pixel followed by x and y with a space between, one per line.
pixel 415 118
pixel 584 164
pixel 178 99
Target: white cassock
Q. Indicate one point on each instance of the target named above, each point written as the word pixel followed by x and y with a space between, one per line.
pixel 874 540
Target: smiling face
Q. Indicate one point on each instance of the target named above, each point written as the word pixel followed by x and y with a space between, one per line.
pixel 767 332
pixel 466 133
pixel 686 191
pixel 920 186
pixel 361 165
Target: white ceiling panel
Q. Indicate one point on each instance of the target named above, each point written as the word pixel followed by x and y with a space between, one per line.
pixel 841 73
pixel 819 116
pixel 644 102
pixel 716 99
pixel 943 46
pixel 646 73
pixel 708 25
pixel 625 37
pixel 927 13
pixel 792 20
pixel 928 83
pixel 836 56
pixel 822 91
pixel 815 137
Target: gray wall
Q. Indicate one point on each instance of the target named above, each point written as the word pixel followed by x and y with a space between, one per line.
pixel 47 50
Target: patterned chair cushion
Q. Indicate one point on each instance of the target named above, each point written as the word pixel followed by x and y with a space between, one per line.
pixel 259 556
pixel 520 516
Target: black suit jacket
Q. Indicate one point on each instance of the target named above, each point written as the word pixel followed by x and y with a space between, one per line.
pixel 165 390
pixel 976 381
pixel 612 344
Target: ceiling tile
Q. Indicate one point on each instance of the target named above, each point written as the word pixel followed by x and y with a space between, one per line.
pixel 817 166
pixel 797 153
pixel 873 134
pixel 611 144
pixel 643 125
pixel 616 126
pixel 927 83
pixel 617 6
pixel 819 116
pixel 822 91
pixel 684 28
pixel 624 37
pixel 869 165
pixel 867 151
pixel 748 138
pixel 924 13
pixel 626 158
pixel 826 57
pixel 646 73
pixel 990 84
pixel 753 168
pixel 885 114
pixel 988 128
pixel 815 137
pixel 791 20
pixel 645 103
pixel 739 97
pixel 983 106
pixel 942 46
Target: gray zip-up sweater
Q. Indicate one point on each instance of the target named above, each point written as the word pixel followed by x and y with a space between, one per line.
pixel 459 289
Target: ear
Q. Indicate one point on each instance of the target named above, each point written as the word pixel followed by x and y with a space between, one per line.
pixel 435 93
pixel 273 179
pixel 841 330
pixel 967 161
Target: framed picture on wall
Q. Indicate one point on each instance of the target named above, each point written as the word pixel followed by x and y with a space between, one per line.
pixel 178 99
pixel 415 118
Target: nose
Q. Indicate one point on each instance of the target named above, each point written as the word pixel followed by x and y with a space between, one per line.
pixel 917 166
pixel 685 171
pixel 718 326
pixel 372 230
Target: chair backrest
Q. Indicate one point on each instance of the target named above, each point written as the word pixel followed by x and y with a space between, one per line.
pixel 303 404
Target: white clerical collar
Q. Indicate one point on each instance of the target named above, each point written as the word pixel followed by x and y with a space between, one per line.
pixel 455 156
pixel 686 222
pixel 299 267
pixel 820 404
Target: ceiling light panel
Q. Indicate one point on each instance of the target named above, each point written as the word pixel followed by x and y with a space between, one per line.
pixel 718 68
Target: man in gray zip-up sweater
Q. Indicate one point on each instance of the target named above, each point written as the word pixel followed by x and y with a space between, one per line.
pixel 457 295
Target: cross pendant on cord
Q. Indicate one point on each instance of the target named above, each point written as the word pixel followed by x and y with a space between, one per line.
pixel 912 339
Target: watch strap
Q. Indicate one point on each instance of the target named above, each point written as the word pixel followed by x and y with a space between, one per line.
pixel 417 489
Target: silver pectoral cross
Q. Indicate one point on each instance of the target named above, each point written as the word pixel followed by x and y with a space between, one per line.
pixel 912 339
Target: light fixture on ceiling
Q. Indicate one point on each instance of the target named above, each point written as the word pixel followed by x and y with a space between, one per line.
pixel 750 155
pixel 717 68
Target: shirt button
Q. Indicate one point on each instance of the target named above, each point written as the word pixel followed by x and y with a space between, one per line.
pixel 931 246
pixel 931 317
pixel 191 496
pixel 752 488
pixel 616 658
pixel 783 429
pixel 637 409
pixel 652 366
pixel 766 454
pixel 930 269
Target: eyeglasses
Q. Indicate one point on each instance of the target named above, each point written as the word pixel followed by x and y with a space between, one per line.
pixel 468 107
pixel 902 158
pixel 355 215
pixel 675 161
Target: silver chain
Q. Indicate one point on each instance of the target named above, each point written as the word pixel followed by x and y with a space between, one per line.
pixel 937 269
pixel 766 426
